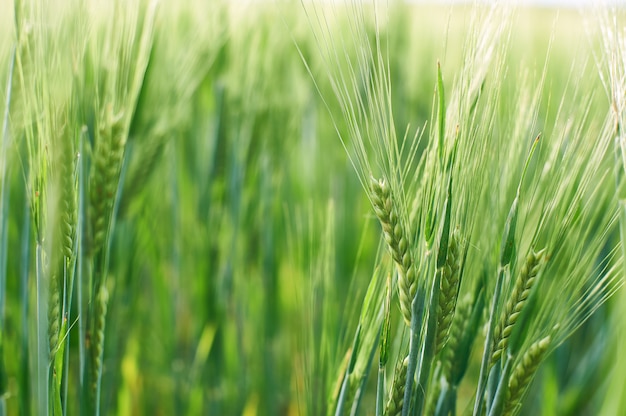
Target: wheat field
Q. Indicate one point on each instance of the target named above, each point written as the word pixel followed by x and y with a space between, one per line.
pixel 311 208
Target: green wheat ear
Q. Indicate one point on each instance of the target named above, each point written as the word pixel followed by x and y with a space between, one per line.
pixel 107 162
pixel 68 196
pixel 523 374
pixel 523 285
pixel 54 313
pixel 450 281
pixel 396 396
pixel 458 328
pixel 97 340
pixel 398 242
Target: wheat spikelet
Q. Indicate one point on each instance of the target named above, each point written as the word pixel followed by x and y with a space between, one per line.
pixel 449 292
pixel 68 197
pixel 433 393
pixel 516 302
pixel 54 314
pixel 523 373
pixel 396 396
pixel 398 241
pixel 62 207
pixel 105 176
pixel 457 328
pixel 97 339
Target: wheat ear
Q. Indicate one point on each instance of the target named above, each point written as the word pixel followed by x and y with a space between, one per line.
pixel 398 241
pixel 97 340
pixel 523 373
pixel 516 302
pixel 458 326
pixel 108 156
pixel 396 396
pixel 449 292
pixel 68 197
pixel 54 313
